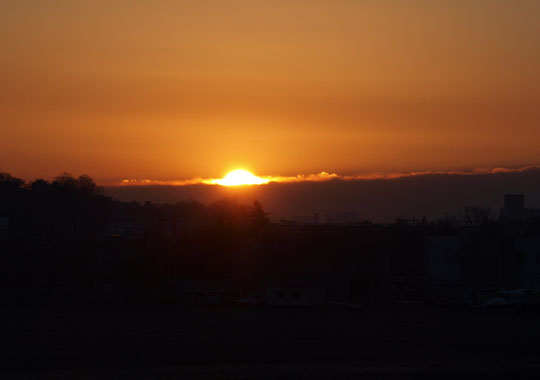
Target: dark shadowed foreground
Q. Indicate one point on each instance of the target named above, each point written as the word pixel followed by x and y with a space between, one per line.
pixel 92 288
pixel 227 342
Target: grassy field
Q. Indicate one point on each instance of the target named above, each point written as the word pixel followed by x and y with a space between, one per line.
pixel 217 342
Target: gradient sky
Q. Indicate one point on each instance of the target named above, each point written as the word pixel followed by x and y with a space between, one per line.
pixel 185 89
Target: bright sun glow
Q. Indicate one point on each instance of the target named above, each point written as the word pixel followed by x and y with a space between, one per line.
pixel 241 177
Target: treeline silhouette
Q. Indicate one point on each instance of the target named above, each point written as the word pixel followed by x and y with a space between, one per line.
pixel 66 234
pixel 65 242
pixel 69 208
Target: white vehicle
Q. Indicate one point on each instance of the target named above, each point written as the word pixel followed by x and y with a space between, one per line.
pixel 515 297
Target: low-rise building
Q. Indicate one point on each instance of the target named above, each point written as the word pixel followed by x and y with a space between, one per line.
pixel 514 209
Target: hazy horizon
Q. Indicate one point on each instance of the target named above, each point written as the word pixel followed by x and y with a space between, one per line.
pixel 379 200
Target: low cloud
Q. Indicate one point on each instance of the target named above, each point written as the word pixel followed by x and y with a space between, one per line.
pixel 325 176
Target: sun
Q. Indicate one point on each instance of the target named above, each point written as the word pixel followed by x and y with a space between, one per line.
pixel 241 177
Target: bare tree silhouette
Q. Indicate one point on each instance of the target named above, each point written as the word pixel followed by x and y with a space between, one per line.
pixel 478 216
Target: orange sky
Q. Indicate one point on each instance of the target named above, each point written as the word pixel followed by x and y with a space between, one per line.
pixel 173 90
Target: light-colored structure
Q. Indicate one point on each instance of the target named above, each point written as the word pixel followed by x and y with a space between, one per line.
pixel 443 260
pixel 514 208
pixel 478 260
pixel 526 263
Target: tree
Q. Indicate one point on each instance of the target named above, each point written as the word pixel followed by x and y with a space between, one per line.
pixel 86 185
pixel 8 182
pixel 257 215
pixel 478 216
pixel 66 182
pixel 39 185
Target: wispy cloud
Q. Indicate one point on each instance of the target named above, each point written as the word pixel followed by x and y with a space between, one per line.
pixel 476 171
pixel 154 182
pixel 325 176
pixel 318 177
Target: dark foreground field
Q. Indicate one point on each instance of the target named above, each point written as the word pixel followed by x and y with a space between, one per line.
pixel 213 342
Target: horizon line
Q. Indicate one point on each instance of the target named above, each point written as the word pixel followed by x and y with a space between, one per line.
pixel 323 176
